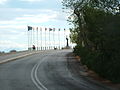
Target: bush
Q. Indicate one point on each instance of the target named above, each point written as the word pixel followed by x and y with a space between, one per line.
pixel 101 62
pixel 13 51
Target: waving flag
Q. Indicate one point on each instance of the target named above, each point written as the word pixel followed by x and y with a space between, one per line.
pixel 59 29
pixel 45 29
pixel 33 28
pixel 37 28
pixel 29 28
pixel 50 29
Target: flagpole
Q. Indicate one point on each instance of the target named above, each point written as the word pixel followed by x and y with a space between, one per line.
pixel 64 37
pixel 59 37
pixel 49 39
pixel 37 38
pixel 41 37
pixel 45 38
pixel 33 37
pixel 28 39
pixel 53 38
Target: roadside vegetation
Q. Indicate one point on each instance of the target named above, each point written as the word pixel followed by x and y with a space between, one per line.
pixel 96 31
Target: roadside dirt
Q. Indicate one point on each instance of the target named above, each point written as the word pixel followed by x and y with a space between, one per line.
pixel 76 66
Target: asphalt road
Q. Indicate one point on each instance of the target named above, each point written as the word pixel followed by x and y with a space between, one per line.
pixel 44 71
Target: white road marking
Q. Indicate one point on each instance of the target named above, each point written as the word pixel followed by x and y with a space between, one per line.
pixel 34 76
pixel 33 79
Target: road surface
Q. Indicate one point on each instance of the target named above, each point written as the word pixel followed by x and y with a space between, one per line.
pixel 44 71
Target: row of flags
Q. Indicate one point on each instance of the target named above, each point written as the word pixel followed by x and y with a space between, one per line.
pixel 50 29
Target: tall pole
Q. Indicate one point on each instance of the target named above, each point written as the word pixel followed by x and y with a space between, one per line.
pixel 37 38
pixel 41 37
pixel 49 40
pixel 33 36
pixel 64 37
pixel 53 38
pixel 59 37
pixel 45 37
pixel 31 40
pixel 28 39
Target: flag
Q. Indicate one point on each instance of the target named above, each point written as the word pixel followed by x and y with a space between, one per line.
pixel 29 28
pixel 50 29
pixel 45 29
pixel 59 29
pixel 37 28
pixel 33 28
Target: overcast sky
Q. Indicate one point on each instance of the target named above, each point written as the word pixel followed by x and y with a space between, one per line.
pixel 15 15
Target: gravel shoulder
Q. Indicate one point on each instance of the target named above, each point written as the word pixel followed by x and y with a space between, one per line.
pixel 76 67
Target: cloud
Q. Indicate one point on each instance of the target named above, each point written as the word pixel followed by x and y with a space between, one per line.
pixel 24 17
pixel 3 1
pixel 14 21
pixel 8 45
pixel 13 14
pixel 31 1
pixel 29 19
pixel 20 18
pixel 40 18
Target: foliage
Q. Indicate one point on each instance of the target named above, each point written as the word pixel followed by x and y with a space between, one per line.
pixel 97 34
pixel 73 35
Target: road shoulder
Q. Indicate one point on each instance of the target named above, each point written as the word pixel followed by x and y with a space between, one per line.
pixel 76 67
pixel 14 56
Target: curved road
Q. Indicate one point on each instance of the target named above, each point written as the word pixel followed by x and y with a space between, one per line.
pixel 44 71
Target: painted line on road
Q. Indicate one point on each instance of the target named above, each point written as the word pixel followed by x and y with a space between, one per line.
pixel 14 58
pixel 33 79
pixel 34 76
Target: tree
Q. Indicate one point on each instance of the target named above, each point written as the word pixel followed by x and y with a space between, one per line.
pixel 73 35
pixel 79 10
pixel 97 34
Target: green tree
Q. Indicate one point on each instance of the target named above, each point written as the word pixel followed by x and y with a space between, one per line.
pixel 97 34
pixel 78 8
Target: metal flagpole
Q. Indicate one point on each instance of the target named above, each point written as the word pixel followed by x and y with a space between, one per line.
pixel 45 38
pixel 49 39
pixel 31 40
pixel 59 37
pixel 41 37
pixel 54 38
pixel 37 37
pixel 33 37
pixel 28 38
pixel 64 37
